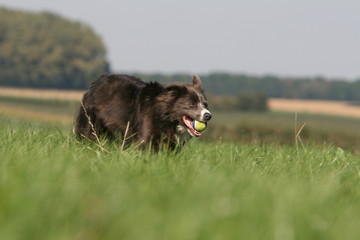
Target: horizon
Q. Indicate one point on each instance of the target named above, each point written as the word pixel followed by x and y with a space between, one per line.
pixel 297 40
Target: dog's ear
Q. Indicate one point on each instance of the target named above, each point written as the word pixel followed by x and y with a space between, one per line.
pixel 197 82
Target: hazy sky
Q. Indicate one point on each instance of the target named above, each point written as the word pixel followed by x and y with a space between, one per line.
pixel 285 37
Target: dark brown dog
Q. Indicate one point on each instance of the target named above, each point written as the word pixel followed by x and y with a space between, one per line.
pixel 156 113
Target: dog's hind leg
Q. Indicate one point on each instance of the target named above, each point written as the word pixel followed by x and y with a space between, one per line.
pixel 83 128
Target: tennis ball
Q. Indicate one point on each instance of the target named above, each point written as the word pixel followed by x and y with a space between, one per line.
pixel 199 126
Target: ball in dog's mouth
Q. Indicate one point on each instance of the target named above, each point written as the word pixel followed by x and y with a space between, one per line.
pixel 192 124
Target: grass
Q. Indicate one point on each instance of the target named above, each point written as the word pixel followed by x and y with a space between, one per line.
pixel 278 127
pixel 52 187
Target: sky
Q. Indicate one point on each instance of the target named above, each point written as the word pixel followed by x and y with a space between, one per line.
pixel 281 37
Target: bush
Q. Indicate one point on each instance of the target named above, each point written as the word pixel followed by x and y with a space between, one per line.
pixel 251 101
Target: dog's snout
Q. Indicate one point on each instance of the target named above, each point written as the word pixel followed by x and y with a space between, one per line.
pixel 207 116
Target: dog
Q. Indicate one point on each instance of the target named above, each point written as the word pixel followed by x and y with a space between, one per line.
pixel 151 114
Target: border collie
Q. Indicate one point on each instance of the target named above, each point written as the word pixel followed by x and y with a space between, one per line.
pixel 152 114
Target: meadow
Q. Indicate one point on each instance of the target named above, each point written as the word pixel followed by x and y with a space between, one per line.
pixel 54 187
pixel 244 179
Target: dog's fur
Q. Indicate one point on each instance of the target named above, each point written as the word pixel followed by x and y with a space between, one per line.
pixel 156 113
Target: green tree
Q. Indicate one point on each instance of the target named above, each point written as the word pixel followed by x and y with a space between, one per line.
pixel 46 50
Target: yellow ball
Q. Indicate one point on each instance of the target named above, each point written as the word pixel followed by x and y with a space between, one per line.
pixel 199 126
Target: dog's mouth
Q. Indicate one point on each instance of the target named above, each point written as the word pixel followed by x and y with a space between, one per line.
pixel 189 124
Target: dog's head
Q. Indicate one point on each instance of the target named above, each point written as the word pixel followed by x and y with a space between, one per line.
pixel 188 102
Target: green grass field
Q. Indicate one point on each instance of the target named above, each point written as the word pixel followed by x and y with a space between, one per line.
pixel 52 187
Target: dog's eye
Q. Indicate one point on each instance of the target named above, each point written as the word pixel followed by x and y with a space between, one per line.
pixel 205 105
pixel 191 105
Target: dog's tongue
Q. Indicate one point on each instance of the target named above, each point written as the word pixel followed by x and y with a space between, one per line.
pixel 188 122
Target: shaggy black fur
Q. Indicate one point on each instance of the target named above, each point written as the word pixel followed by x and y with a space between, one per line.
pixel 154 111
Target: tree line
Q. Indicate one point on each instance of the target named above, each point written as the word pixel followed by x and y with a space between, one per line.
pixel 243 102
pixel 47 51
pixel 271 86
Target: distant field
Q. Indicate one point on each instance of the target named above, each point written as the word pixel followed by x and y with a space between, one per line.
pixel 339 108
pixel 41 105
pixel 276 126
pixel 41 93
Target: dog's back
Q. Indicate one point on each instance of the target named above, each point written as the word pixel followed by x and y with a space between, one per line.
pixel 108 105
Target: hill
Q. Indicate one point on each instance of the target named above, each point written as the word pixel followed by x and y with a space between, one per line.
pixel 45 50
